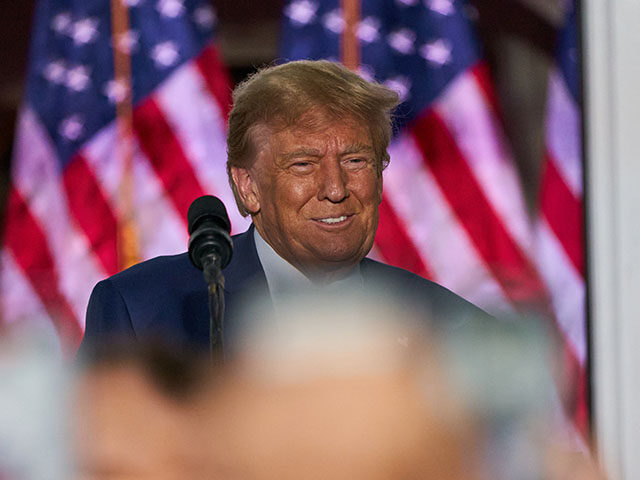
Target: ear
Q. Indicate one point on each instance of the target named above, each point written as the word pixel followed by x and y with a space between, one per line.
pixel 247 189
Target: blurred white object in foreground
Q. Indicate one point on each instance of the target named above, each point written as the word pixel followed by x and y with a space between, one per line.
pixel 33 407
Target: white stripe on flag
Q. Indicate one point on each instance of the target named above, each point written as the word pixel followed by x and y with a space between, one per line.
pixel 199 126
pixel 471 122
pixel 563 133
pixel 566 288
pixel 435 230
pixel 160 229
pixel 36 175
pixel 374 254
pixel 20 304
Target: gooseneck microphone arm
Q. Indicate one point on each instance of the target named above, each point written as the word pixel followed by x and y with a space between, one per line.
pixel 215 284
pixel 210 250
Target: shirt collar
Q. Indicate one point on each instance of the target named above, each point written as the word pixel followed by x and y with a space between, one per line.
pixel 283 278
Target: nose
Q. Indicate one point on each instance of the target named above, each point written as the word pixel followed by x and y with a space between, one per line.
pixel 332 181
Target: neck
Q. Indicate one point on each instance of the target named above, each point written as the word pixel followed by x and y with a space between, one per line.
pixel 318 273
pixel 323 276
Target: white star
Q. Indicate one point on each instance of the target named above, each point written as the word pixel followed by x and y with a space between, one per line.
pixel 71 127
pixel 205 16
pixel 333 21
pixel 437 52
pixel 170 8
pixel 78 78
pixel 443 7
pixel 61 22
pixel 402 40
pixel 165 54
pixel 366 72
pixel 406 3
pixel 85 31
pixel 127 42
pixel 368 30
pixel 301 12
pixel 116 90
pixel 55 71
pixel 401 85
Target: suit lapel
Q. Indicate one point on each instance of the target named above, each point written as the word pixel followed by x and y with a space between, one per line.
pixel 245 281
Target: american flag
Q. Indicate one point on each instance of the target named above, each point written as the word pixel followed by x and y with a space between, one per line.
pixel 77 146
pixel 560 230
pixel 453 208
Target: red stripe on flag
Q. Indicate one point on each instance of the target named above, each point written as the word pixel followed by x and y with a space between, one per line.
pixel 482 75
pixel 394 243
pixel 91 211
pixel 511 268
pixel 563 212
pixel 513 271
pixel 216 77
pixel 28 243
pixel 166 155
pixel 573 387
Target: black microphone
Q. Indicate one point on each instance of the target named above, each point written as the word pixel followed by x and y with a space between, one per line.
pixel 209 227
pixel 210 249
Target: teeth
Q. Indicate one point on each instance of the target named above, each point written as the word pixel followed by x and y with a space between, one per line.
pixel 334 220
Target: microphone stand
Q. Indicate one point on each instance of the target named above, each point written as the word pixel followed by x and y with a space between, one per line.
pixel 215 282
pixel 210 250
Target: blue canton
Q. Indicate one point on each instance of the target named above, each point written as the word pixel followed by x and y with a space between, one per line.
pixel 415 47
pixel 71 84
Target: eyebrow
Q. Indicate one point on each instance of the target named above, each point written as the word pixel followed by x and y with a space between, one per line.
pixel 313 152
pixel 357 148
pixel 302 152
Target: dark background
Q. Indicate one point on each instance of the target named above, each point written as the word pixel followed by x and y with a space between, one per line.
pixel 518 37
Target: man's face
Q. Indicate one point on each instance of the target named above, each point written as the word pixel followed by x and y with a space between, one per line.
pixel 313 193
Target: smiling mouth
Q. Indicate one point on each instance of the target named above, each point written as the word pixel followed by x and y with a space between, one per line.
pixel 332 220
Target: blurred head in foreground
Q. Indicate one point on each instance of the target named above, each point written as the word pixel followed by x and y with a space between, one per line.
pixel 133 416
pixel 338 391
pixel 343 388
pixel 357 388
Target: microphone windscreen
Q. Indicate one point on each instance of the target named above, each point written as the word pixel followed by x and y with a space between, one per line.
pixel 208 207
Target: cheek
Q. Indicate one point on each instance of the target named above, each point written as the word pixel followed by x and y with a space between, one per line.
pixel 368 188
pixel 295 193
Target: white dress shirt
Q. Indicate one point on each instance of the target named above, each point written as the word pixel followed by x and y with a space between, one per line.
pixel 285 280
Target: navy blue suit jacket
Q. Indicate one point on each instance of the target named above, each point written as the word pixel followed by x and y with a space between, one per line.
pixel 165 298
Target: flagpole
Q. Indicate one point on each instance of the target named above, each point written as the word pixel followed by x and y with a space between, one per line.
pixel 349 45
pixel 126 235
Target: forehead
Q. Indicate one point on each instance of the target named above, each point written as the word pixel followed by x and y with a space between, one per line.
pixel 317 134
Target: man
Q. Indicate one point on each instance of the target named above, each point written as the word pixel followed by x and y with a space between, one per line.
pixel 307 145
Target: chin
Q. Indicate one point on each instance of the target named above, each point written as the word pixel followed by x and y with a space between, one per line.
pixel 346 257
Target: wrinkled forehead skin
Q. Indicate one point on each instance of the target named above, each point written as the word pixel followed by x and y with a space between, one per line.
pixel 315 120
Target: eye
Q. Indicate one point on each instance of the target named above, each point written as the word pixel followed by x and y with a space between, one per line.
pixel 355 162
pixel 301 166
